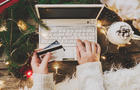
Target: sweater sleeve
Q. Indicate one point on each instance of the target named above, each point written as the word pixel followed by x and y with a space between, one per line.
pixel 43 82
pixel 90 76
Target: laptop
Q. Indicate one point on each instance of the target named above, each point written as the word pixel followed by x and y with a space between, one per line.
pixel 68 22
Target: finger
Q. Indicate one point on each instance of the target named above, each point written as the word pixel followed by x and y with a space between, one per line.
pixel 35 60
pixel 98 49
pixel 78 53
pixel 36 50
pixel 80 46
pixel 93 45
pixel 88 46
pixel 44 63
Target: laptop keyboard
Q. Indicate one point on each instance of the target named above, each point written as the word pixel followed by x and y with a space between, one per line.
pixel 67 35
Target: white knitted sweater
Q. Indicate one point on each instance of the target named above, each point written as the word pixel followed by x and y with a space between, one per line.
pixel 89 77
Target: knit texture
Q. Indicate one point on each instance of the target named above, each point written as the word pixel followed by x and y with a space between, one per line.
pixel 43 82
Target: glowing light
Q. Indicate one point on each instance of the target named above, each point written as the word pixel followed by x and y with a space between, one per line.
pixel 7 63
pixel 3 28
pixel 103 31
pixel 129 43
pixel 56 67
pixel 99 23
pixel 29 74
pixel 103 57
pixel 121 45
pixel 1 82
pixel 101 28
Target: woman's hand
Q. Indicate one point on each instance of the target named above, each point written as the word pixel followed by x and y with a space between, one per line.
pixel 87 51
pixel 38 66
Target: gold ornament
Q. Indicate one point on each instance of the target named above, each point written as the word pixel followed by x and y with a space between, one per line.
pixel 3 28
pixel 22 25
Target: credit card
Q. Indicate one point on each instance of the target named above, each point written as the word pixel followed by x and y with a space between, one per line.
pixel 55 48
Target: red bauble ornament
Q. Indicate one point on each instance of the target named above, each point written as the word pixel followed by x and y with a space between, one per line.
pixel 6 3
pixel 29 74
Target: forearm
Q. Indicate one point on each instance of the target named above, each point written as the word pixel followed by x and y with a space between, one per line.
pixel 90 77
pixel 43 82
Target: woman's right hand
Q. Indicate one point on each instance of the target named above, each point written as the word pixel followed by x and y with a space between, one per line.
pixel 87 51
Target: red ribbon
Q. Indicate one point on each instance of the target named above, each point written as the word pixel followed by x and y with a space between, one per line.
pixel 6 3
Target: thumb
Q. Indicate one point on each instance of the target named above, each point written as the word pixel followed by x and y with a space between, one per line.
pixel 98 49
pixel 35 61
pixel 44 63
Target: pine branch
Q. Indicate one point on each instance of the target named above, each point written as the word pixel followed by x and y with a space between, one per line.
pixel 22 38
pixel 11 29
pixel 34 16
pixel 42 1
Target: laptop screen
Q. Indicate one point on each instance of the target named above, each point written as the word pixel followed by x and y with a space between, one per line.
pixel 69 13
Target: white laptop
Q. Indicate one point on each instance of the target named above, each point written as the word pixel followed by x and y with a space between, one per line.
pixel 68 22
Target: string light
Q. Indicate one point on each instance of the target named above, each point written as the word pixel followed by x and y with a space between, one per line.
pixel 7 63
pixel 103 31
pixel 101 28
pixel 1 84
pixel 129 43
pixel 29 74
pixel 103 57
pixel 3 28
pixel 56 67
pixel 99 24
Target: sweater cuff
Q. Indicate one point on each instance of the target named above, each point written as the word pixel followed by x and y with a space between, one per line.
pixel 90 68
pixel 42 79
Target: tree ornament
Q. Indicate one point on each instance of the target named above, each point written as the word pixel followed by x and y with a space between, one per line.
pixel 6 3
pixel 29 73
pixel 22 25
pixel 120 33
